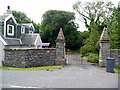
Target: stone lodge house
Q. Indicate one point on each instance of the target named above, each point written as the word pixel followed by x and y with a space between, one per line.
pixel 21 47
pixel 15 35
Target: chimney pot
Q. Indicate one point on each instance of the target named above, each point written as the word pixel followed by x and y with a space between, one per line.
pixel 8 7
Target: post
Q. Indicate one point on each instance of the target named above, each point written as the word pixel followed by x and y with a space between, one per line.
pixel 104 51
pixel 60 49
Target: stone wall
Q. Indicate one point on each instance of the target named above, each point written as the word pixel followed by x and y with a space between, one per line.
pixel 22 56
pixel 30 57
pixel 115 53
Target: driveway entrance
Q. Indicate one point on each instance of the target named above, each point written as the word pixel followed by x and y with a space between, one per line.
pixel 73 75
pixel 73 59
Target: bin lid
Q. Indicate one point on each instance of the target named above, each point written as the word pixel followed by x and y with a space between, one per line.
pixel 110 58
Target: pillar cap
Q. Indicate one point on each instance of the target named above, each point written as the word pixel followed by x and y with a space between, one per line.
pixel 60 36
pixel 104 35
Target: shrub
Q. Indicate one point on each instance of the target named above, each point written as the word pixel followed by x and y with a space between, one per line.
pixel 93 58
pixel 86 49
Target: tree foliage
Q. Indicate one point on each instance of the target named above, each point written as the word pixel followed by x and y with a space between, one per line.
pixel 114 28
pixel 97 12
pixel 21 17
pixel 37 27
pixel 53 20
pixel 96 16
pixel 91 43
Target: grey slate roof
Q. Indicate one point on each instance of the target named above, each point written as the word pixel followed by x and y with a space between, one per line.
pixel 1 35
pixel 29 39
pixel 26 24
pixel 12 41
pixel 2 17
pixel 26 39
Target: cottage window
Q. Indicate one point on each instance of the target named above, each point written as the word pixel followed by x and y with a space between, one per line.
pixel 10 30
pixel 22 30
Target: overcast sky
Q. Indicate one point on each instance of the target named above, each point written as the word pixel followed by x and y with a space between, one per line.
pixel 34 9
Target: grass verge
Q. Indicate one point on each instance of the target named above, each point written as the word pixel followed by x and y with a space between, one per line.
pixel 116 70
pixel 48 68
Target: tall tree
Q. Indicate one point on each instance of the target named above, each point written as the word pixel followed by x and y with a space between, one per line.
pixel 21 17
pixel 97 12
pixel 53 20
pixel 96 16
pixel 114 28
pixel 37 27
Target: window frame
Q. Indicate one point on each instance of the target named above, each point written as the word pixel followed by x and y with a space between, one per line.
pixel 22 30
pixel 8 33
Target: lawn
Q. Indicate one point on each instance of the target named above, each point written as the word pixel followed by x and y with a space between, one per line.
pixel 48 68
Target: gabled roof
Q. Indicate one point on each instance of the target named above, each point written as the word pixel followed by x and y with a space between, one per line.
pixel 2 39
pixel 12 41
pixel 25 40
pixel 29 39
pixel 5 17
pixel 28 24
pixel 2 17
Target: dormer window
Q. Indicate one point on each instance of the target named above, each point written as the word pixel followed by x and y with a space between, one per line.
pixel 22 30
pixel 10 30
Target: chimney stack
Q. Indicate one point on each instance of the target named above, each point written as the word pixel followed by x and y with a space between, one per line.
pixel 8 11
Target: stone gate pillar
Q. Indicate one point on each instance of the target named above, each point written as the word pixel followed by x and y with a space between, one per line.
pixel 60 49
pixel 104 51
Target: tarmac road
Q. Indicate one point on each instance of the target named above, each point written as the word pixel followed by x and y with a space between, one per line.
pixel 73 75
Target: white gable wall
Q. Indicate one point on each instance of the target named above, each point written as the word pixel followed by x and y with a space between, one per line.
pixel 1 52
pixel 38 42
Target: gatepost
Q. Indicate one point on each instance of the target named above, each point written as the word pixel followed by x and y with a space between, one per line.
pixel 60 49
